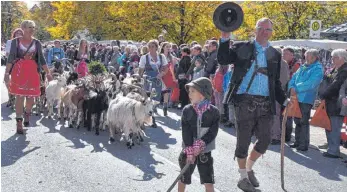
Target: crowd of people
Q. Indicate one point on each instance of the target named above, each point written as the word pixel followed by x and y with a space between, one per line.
pixel 247 82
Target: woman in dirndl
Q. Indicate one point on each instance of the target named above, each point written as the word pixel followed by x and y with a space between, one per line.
pixel 155 66
pixel 24 65
pixel 82 58
pixel 165 49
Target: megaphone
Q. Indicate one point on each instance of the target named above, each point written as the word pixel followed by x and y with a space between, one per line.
pixel 228 17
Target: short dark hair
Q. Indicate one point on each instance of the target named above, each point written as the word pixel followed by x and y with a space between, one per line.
pixel 289 49
pixel 214 43
pixel 186 50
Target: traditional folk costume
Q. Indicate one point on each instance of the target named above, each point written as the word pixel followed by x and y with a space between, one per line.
pixel 27 65
pixel 200 124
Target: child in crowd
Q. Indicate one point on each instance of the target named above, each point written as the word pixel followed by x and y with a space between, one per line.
pixel 198 69
pixel 200 122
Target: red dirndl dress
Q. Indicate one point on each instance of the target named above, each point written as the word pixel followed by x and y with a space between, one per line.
pixel 25 79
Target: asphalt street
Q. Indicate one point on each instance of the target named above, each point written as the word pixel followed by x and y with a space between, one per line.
pixel 51 157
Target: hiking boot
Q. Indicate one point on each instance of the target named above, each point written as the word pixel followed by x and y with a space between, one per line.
pixel 26 119
pixel 20 126
pixel 253 179
pixel 245 185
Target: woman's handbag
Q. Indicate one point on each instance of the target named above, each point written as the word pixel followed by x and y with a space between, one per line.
pixel 321 118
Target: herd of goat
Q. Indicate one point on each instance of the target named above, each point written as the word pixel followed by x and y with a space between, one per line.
pixel 99 102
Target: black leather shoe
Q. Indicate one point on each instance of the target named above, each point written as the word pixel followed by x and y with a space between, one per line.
pixel 294 145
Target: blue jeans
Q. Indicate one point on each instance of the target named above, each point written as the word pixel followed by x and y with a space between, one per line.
pixel 302 128
pixel 334 136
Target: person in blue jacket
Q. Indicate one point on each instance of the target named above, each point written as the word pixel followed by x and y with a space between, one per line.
pixel 226 80
pixel 304 84
pixel 56 51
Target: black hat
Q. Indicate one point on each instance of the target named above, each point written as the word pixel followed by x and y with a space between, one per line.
pixel 203 85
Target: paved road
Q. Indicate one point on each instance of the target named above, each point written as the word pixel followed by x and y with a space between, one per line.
pixel 52 158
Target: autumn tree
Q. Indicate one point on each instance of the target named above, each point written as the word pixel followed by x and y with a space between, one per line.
pixel 43 17
pixel 182 21
pixel 12 14
pixel 291 18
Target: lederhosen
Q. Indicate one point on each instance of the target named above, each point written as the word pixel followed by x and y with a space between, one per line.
pixel 253 117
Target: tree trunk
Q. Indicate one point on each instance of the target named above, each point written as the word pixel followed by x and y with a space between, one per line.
pixel 182 14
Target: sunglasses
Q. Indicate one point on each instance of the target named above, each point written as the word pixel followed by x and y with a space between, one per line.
pixel 266 29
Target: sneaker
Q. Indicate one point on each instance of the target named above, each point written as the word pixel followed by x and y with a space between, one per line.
pixel 20 126
pixel 245 185
pixel 26 119
pixel 253 179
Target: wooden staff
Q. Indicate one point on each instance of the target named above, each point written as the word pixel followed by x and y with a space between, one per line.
pixel 284 122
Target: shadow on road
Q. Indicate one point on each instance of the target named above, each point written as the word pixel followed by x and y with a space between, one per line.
pixel 313 159
pixel 6 112
pixel 168 122
pixel 12 149
pixel 139 156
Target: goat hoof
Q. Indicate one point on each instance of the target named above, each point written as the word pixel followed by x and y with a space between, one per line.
pixel 78 127
pixel 141 139
pixel 37 114
pixel 65 118
pixel 112 139
pixel 70 126
pixel 49 117
pixel 96 133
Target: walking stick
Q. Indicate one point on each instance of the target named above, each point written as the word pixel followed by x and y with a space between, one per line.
pixel 185 168
pixel 284 122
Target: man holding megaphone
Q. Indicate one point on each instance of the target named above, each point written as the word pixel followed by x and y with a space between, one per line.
pixel 253 90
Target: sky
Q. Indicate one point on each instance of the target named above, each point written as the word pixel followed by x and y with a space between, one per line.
pixel 30 3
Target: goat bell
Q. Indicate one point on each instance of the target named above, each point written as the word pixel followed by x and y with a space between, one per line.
pixel 228 17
